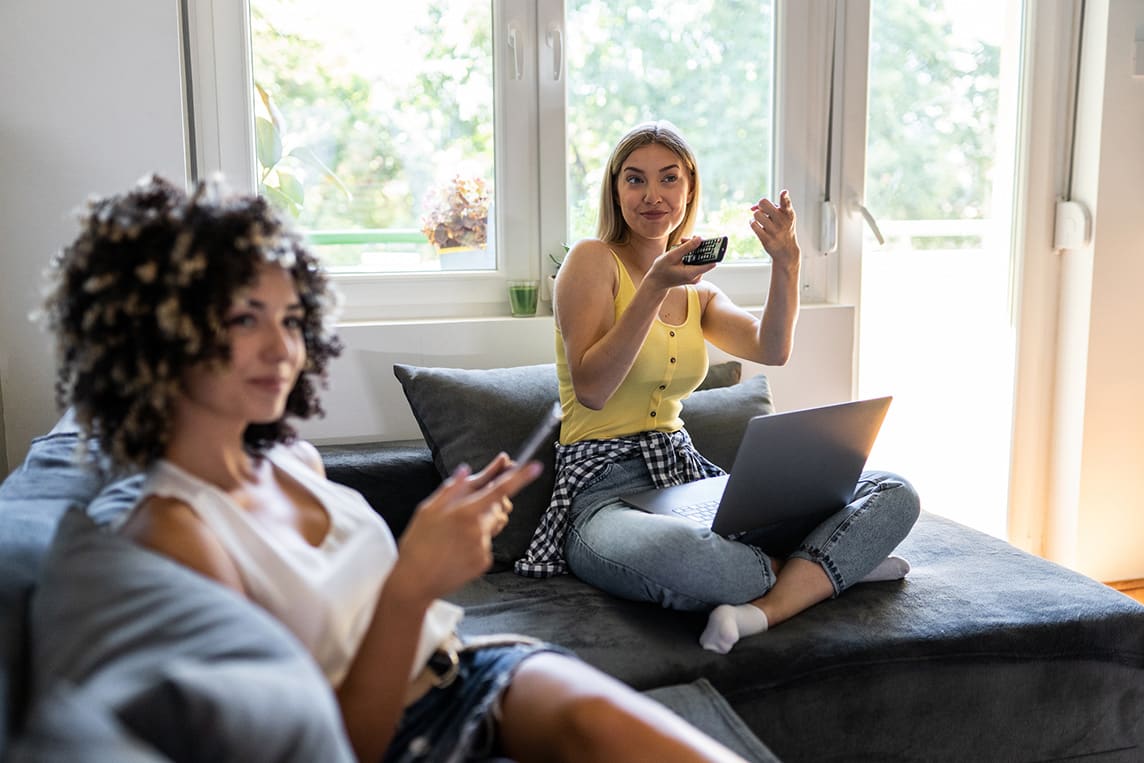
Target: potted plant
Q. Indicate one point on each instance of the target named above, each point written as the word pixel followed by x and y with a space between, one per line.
pixel 550 291
pixel 275 180
pixel 456 214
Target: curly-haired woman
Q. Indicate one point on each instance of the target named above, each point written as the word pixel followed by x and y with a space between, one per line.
pixel 189 328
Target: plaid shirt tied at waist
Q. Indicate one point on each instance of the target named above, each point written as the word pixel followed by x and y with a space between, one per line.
pixel 670 457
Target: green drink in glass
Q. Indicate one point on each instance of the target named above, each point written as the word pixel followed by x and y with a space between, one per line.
pixel 522 297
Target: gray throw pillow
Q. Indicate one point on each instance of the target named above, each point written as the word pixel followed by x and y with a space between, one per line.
pixel 53 476
pixel 722 375
pixel 717 418
pixel 68 726
pixel 189 667
pixel 468 416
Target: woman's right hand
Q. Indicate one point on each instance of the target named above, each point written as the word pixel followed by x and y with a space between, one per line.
pixel 448 542
pixel 669 270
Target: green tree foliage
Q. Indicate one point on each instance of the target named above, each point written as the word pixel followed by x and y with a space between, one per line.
pixel 375 133
pixel 933 111
pixel 706 65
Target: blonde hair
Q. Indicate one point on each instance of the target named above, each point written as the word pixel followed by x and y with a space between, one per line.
pixel 611 226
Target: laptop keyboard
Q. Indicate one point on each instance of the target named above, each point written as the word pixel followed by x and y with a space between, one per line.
pixel 702 512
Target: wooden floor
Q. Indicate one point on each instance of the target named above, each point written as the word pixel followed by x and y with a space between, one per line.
pixel 1133 588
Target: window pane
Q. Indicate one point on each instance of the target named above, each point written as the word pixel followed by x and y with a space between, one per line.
pixel 939 171
pixel 705 65
pixel 374 128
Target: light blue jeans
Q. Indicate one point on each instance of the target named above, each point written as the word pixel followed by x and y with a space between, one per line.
pixel 682 565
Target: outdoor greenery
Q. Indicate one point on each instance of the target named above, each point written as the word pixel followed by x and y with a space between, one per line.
pixel 705 66
pixel 932 117
pixel 368 122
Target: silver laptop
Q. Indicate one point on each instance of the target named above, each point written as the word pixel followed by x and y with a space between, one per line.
pixel 792 470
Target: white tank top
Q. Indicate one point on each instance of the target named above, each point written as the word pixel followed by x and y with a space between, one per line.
pixel 324 594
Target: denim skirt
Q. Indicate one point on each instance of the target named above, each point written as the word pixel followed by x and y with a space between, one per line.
pixel 456 723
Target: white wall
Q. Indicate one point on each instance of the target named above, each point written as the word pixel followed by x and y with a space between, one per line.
pixel 1095 521
pixel 89 101
pixel 365 401
pixel 3 449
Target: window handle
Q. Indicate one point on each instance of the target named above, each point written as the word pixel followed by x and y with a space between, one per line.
pixel 514 46
pixel 871 222
pixel 555 39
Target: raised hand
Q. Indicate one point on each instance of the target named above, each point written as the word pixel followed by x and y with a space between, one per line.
pixel 775 229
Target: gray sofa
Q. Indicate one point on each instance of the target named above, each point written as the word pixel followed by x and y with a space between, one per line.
pixel 110 653
pixel 983 653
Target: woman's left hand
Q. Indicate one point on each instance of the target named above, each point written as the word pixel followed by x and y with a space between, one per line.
pixel 497 518
pixel 774 227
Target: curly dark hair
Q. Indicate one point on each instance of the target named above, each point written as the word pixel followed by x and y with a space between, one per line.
pixel 141 296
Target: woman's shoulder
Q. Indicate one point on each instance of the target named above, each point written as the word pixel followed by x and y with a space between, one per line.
pixel 591 256
pixel 590 247
pixel 305 452
pixel 170 526
pixel 159 513
pixel 706 291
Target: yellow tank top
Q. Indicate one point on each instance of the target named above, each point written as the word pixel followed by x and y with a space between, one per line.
pixel 670 365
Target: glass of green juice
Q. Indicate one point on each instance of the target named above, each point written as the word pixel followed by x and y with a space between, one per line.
pixel 522 295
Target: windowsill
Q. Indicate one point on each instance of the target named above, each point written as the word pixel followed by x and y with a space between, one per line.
pixel 508 320
pixel 472 320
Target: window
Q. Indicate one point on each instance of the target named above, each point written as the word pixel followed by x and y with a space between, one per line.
pixel 705 66
pixel 943 93
pixel 374 129
pixel 359 115
pixel 774 94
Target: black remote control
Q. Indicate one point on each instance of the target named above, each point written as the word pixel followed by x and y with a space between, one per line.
pixel 710 250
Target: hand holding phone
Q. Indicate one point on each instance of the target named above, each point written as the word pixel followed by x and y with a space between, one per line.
pixel 709 250
pixel 544 433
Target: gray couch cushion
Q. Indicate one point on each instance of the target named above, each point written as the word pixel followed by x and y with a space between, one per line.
pixel 722 374
pixel 977 621
pixel 52 477
pixel 70 726
pixel 392 476
pixel 708 711
pixel 468 416
pixel 188 666
pixel 717 417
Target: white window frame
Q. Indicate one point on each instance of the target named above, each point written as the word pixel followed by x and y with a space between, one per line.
pixel 530 209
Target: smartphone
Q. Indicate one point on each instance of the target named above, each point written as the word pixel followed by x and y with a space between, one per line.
pixel 710 250
pixel 544 434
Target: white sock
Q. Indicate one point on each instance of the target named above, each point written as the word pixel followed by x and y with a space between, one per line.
pixel 890 568
pixel 728 623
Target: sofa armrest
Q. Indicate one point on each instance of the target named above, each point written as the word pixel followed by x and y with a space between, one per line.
pixel 393 476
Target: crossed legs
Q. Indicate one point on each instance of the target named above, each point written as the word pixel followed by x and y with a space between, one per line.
pixel 849 547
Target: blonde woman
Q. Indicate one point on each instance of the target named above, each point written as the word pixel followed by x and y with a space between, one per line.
pixel 632 326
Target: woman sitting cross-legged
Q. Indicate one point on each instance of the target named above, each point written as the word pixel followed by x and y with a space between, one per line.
pixel 633 320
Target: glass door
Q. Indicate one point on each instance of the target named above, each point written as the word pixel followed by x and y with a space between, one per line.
pixel 936 326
